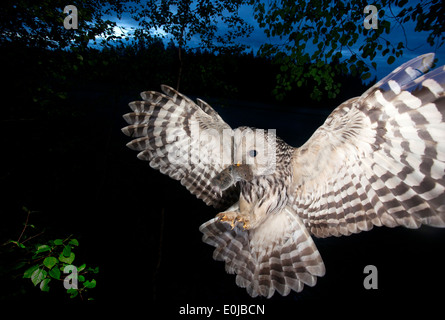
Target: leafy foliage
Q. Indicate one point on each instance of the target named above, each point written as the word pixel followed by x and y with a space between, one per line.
pixel 201 20
pixel 198 20
pixel 315 33
pixel 47 261
pixel 40 23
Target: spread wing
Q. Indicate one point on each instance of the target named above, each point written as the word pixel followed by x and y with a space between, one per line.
pixel 187 141
pixel 379 159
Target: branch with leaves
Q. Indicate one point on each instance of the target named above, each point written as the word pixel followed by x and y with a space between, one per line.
pixel 49 261
pixel 40 24
pixel 333 33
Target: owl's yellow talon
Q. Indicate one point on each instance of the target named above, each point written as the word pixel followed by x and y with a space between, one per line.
pixel 233 218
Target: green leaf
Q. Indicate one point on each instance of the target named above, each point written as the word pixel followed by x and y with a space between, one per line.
pixel 49 262
pixel 58 242
pixel 366 76
pixel 73 292
pixel 95 270
pixel 90 284
pixel 55 273
pixel 38 275
pixel 21 245
pixel 74 242
pixel 67 260
pixel 19 265
pixel 67 251
pixel 44 285
pixel 43 248
pixel 391 59
pixel 81 268
pixel 28 273
pixel 387 27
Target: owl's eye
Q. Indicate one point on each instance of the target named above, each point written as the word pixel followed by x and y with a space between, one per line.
pixel 253 153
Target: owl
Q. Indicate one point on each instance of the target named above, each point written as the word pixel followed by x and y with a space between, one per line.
pixel 378 160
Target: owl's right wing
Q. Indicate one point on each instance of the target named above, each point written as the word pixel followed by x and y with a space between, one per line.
pixel 379 159
pixel 186 140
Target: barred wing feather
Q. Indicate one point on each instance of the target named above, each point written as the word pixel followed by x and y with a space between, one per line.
pixel 378 159
pixel 183 140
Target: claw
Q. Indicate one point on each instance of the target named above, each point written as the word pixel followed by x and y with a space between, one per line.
pixel 245 221
pixel 225 218
pixel 233 218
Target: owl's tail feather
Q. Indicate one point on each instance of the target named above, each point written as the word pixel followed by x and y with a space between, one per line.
pixel 277 255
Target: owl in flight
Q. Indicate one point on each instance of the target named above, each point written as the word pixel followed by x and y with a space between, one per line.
pixel 378 160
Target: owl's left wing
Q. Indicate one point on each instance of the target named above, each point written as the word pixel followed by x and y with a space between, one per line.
pixel 186 140
pixel 379 159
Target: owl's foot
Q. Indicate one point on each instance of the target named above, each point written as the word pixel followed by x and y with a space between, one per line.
pixel 234 217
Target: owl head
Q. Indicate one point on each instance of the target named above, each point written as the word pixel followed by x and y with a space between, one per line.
pixel 253 155
pixel 255 148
